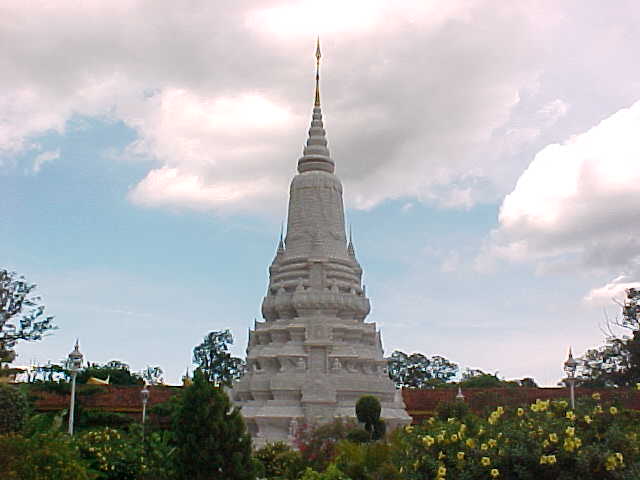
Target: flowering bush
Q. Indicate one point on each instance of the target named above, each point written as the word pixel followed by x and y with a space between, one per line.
pixel 119 455
pixel 546 440
pixel 43 456
pixel 317 444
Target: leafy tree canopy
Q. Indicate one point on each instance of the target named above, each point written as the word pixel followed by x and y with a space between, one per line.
pixel 22 315
pixel 214 360
pixel 617 363
pixel 116 371
pixel 418 371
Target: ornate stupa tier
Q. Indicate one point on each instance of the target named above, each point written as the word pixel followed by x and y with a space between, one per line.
pixel 314 355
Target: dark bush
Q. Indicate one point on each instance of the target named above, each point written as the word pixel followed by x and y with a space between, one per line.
pixel 13 409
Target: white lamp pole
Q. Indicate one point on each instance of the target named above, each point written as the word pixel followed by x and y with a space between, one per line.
pixel 75 364
pixel 570 367
pixel 144 395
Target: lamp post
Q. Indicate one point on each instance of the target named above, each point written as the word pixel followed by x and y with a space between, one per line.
pixel 460 396
pixel 74 364
pixel 570 367
pixel 144 396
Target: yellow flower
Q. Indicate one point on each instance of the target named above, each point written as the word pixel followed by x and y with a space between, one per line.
pixel 613 410
pixel 543 460
pixel 442 471
pixel 485 461
pixel 492 442
pixel 431 420
pixel 408 429
pixel 545 444
pixel 451 420
pixel 578 442
pixel 520 412
pixel 619 456
pixel 495 473
pixel 570 415
pixel 428 440
pixel 569 445
pixel 441 455
pixel 460 455
pixel 637 386
pixel 470 443
pixel 454 438
pixel 587 419
pixel 500 410
pixel 570 431
pixel 483 446
pixel 553 437
pixel 596 396
pixel 534 407
pixel 551 459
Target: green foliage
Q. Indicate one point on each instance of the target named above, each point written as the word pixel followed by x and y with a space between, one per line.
pixel 279 461
pixel 332 473
pixel 214 360
pixel 617 363
pixel 457 409
pixel 42 457
pixel 418 371
pixel 545 441
pixel 13 409
pixel 371 461
pixel 210 435
pixel 91 418
pixel 317 443
pixel 39 423
pixel 116 371
pixel 479 379
pixel 368 412
pixel 21 315
pixel 120 455
pixel 359 435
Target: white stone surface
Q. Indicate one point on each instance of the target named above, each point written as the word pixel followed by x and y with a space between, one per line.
pixel 313 356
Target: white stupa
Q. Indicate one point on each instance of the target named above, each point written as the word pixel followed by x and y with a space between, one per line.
pixel 313 356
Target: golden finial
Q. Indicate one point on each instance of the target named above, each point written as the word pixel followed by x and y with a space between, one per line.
pixel 318 55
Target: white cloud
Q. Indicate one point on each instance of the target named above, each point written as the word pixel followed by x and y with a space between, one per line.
pixel 615 289
pixel 578 198
pixel 44 157
pixel 416 95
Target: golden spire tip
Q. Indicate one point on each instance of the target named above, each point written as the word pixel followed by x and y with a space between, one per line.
pixel 318 55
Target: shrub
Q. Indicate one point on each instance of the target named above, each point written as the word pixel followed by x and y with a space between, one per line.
pixel 42 457
pixel 13 409
pixel 545 440
pixel 368 412
pixel 278 461
pixel 317 443
pixel 457 409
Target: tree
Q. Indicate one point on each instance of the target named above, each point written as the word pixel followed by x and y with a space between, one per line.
pixel 617 363
pixel 116 371
pixel 13 409
pixel 153 375
pixel 21 314
pixel 418 371
pixel 475 378
pixel 368 412
pixel 214 360
pixel 211 440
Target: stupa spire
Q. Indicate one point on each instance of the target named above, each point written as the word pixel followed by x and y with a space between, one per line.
pixel 316 154
pixel 318 55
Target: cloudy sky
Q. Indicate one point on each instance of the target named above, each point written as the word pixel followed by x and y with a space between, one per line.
pixel 489 151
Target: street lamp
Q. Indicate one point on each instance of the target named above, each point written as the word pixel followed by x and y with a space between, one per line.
pixel 144 395
pixel 74 364
pixel 570 367
pixel 460 396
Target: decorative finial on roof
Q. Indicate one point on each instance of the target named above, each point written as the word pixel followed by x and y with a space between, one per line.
pixel 350 249
pixel 318 55
pixel 281 243
pixel 316 154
